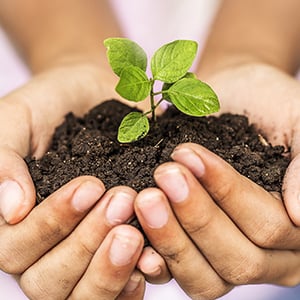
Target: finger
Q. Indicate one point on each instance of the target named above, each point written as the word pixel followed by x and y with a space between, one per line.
pixel 65 264
pixel 17 196
pixel 260 215
pixel 291 190
pixel 17 192
pixel 237 260
pixel 153 267
pixel 112 266
pixel 291 180
pixel 47 224
pixel 185 262
pixel 134 288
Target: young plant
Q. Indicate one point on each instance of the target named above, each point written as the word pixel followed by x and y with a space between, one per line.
pixel 170 65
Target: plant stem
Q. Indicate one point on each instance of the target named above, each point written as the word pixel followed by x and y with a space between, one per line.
pixel 153 107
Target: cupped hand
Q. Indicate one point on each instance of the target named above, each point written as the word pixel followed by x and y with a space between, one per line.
pixel 28 117
pixel 270 98
pixel 215 228
pixel 75 245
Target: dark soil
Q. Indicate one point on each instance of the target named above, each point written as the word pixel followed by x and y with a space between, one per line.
pixel 88 146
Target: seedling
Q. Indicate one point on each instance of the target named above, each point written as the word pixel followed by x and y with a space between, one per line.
pixel 169 65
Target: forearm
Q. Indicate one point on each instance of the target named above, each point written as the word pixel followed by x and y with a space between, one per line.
pixel 266 31
pixel 51 31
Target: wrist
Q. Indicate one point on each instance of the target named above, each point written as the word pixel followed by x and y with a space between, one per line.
pixel 211 65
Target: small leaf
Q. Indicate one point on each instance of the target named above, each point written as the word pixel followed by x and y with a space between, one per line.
pixel 133 127
pixel 193 97
pixel 166 86
pixel 122 52
pixel 134 84
pixel 171 62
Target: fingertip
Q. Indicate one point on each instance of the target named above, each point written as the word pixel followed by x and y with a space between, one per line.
pixel 153 266
pixel 126 245
pixel 135 282
pixel 17 192
pixel 149 262
pixel 13 203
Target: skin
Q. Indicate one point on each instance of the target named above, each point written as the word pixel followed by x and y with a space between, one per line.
pixel 228 230
pixel 60 72
pixel 78 227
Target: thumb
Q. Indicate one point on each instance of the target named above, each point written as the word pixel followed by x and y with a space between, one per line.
pixel 291 181
pixel 17 192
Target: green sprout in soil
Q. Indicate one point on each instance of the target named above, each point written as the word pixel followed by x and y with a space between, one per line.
pixel 169 65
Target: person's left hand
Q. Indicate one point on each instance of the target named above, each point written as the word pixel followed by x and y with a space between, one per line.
pixel 215 228
pixel 270 99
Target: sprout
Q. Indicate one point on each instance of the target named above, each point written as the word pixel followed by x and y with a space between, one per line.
pixel 170 65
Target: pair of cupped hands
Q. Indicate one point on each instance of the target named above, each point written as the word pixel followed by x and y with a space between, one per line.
pixel 210 228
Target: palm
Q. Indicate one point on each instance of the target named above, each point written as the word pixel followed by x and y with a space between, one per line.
pixel 270 98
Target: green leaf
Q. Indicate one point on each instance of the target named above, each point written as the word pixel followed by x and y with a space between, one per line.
pixel 193 97
pixel 122 52
pixel 133 127
pixel 166 86
pixel 134 84
pixel 171 62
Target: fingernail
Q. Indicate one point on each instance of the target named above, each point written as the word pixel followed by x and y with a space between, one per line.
pixel 133 283
pixel 120 208
pixel 11 199
pixel 122 249
pixel 190 159
pixel 86 195
pixel 153 209
pixel 173 183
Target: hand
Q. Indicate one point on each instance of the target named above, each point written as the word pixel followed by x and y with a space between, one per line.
pixel 270 98
pixel 215 228
pixel 73 246
pixel 28 117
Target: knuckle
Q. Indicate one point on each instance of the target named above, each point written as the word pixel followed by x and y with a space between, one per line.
pixel 10 261
pixel 291 281
pixel 212 293
pixel 107 290
pixel 216 289
pixel 9 264
pixel 52 230
pixel 272 233
pixel 33 287
pixel 203 221
pixel 249 270
pixel 173 255
pixel 84 249
pixel 223 191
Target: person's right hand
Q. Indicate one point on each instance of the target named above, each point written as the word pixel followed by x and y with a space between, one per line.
pixel 28 117
pixel 75 246
pixel 55 245
pixel 51 258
